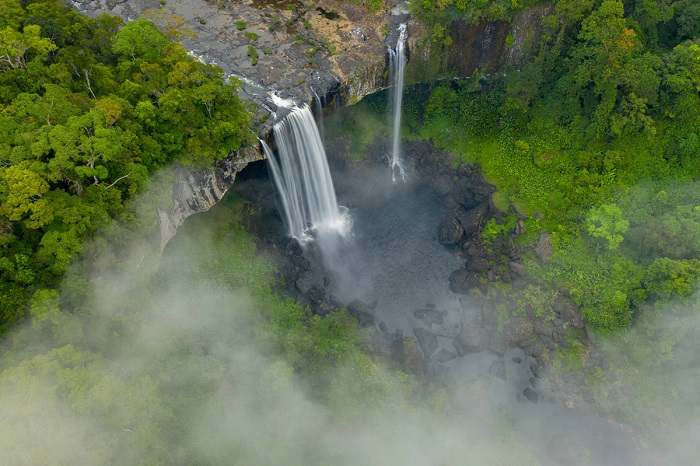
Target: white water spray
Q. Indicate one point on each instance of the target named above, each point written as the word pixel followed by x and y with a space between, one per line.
pixel 397 65
pixel 304 182
pixel 319 113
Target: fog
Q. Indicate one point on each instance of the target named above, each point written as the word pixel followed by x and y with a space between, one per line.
pixel 169 363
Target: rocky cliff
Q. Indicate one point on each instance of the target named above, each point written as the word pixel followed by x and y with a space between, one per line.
pixel 198 189
pixel 295 50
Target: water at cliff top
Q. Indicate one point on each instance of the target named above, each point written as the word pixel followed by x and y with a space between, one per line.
pixel 304 183
pixel 397 65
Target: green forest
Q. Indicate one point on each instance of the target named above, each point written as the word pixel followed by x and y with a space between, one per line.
pixel 596 140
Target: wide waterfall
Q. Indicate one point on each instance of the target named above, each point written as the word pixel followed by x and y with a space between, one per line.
pixel 303 179
pixel 397 65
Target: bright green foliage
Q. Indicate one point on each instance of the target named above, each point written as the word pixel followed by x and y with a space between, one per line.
pixel 18 50
pixel 87 112
pixel 606 222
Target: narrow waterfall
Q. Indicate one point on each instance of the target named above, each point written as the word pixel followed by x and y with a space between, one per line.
pixel 319 114
pixel 397 66
pixel 304 182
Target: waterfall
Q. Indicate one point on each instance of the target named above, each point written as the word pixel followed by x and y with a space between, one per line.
pixel 397 65
pixel 304 182
pixel 319 114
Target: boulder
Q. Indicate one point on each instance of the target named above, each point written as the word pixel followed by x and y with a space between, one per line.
pixel 360 311
pixel 439 374
pixel 518 329
pixel 427 341
pixel 429 316
pixel 410 356
pixel 442 355
pixel 449 231
pixel 459 347
pixel 489 312
pixel 569 313
pixel 474 337
pixel 498 369
pixel 530 394
pixel 443 185
pixel 518 269
pixel 472 219
pixel 463 281
pixel 477 264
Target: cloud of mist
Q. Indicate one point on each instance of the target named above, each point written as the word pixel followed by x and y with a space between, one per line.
pixel 179 358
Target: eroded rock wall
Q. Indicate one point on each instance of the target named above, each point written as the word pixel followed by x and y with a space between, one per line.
pixel 198 189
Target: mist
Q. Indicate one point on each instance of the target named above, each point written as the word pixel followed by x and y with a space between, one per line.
pixel 177 360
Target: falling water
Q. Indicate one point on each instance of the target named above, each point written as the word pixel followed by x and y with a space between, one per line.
pixel 304 182
pixel 397 65
pixel 319 114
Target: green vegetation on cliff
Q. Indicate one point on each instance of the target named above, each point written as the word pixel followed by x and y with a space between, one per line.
pixel 596 140
pixel 89 109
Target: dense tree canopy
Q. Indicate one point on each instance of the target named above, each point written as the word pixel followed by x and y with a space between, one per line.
pixel 89 108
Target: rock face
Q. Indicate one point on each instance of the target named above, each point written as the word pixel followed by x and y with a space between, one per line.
pixel 198 189
pixel 335 50
pixel 450 231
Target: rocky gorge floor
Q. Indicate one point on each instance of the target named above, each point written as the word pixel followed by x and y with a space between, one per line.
pixel 486 351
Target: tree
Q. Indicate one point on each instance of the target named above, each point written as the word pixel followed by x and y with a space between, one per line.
pixel 25 196
pixel 607 222
pixel 15 47
pixel 140 40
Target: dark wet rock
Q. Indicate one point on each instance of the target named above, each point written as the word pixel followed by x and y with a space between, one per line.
pixel 443 355
pixel 360 310
pixel 462 281
pixel 443 185
pixel 427 341
pixel 429 316
pixel 316 293
pixel 535 382
pixel 482 190
pixel 474 337
pixel 498 369
pixel 542 328
pixel 383 328
pixel 459 347
pixel 535 350
pixel 472 219
pixel 410 355
pixel 300 262
pixel 544 248
pixel 517 360
pixel 449 231
pixel 309 280
pixel 518 329
pixel 358 306
pixel 439 374
pixel 518 268
pixel 530 394
pixel 536 370
pixel 489 312
pixel 497 344
pixel 477 264
pixel 568 312
pixel 324 308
